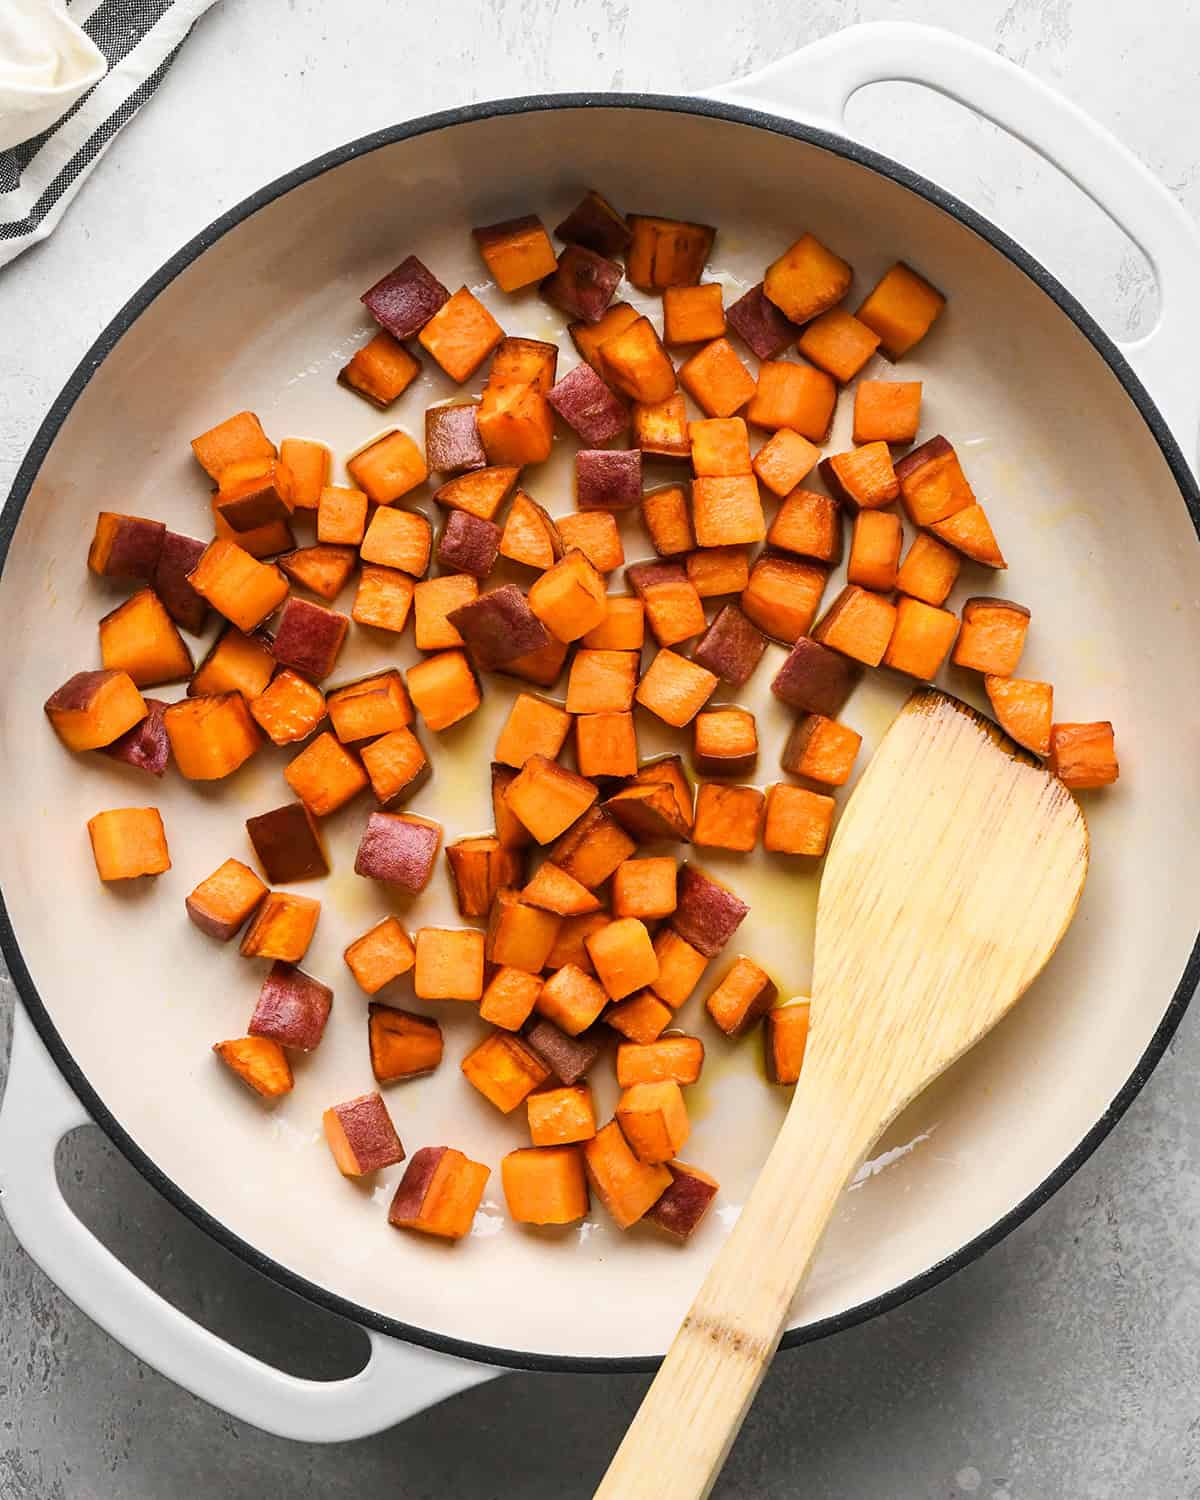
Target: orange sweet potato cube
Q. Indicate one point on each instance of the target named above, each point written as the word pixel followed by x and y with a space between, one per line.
pixel 675 689
pixel 887 411
pixel 254 493
pixel 713 571
pixel 644 888
pixel 545 1185
pixel 397 766
pixel 720 447
pixel 449 964
pixel 433 599
pixel 341 515
pixel 520 936
pixel 443 689
pixel 548 798
pixel 504 1070
pixel 534 727
pixel 461 335
pixel 128 842
pixel 369 707
pixel 309 465
pixel 517 252
pixel 569 598
pixel 238 439
pixel 572 935
pixel 929 570
pixel 864 478
pixel 480 492
pixel 969 531
pixel 382 954
pixel 221 904
pixel 727 817
pixel 693 314
pixel 509 997
pixel 623 627
pixel 859 624
pixel 623 957
pixel 388 468
pixel 679 968
pixel 742 997
pixel 361 1137
pixel 627 1187
pixel 717 380
pixel 210 737
pixel 725 742
pixel 516 425
pixel 290 709
pixel 562 1116
pixel 235 663
pixel 676 1058
pixel 439 1193
pixel 635 363
pixel 399 539
pixel 806 280
pixel 793 395
pixel 785 1039
pixel 921 639
pixel 554 890
pixel 1084 756
pixel 588 337
pixel 666 252
pixel 810 525
pixel 594 533
pixel 653 1119
pixel 530 536
pixel 259 1062
pixel 402 1043
pixel 660 428
pixel 727 512
pixel 323 570
pixel 838 343
pixel 821 749
pixel 798 821
pixel 667 516
pixel 282 928
pixel 992 636
pixel 572 999
pixel 263 541
pixel 524 362
pixel 901 309
pixel 382 370
pixel 479 868
pixel 139 637
pixel 782 596
pixel 592 849
pixel 933 486
pixel 641 1018
pixel 606 744
pixel 784 460
pixel 237 585
pixel 875 544
pixel 325 775
pixel 674 611
pixel 1023 709
pixel 92 709
pixel 600 682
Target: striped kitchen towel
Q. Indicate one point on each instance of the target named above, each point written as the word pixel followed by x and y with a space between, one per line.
pixel 139 40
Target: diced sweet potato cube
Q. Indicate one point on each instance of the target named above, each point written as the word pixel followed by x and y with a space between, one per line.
pixel 533 727
pixel 220 905
pixel 679 968
pixel 725 742
pixel 323 570
pixel 933 486
pixel 821 749
pixel 399 539
pixel 807 280
pixel 992 636
pixel 653 1119
pixel 622 629
pixel 542 667
pixel 449 964
pixel 875 544
pixel 644 888
pixel 382 954
pixel 237 585
pixel 864 478
pixel 237 439
pixel 263 541
pixel 561 1117
pixel 582 283
pixel 720 447
pixel 145 746
pixel 887 411
pixel 815 679
pixel 717 380
pixel 650 812
pixel 308 462
pixel 125 546
pixel 567 1057
pixel 592 849
pixel 674 610
pixel 572 999
pixel 627 1187
pixel 405 299
pixel 433 601
pixel 498 627
pixel 666 252
pixel 785 1038
pixel 397 766
pixel 504 1070
pixel 727 817
pixel 554 890
pixel 516 425
pixel 92 709
pixel 623 956
pixel 235 663
pixel 760 325
pixel 281 929
pixel 381 370
pixel 681 1209
pixel 517 252
pixel 569 598
pixel 211 737
pixel 798 821
pixel 693 314
pixel 608 479
pixel 510 831
pixel 641 1018
pixel 731 646
pixel 675 689
pixel 548 798
pixel 707 913
pixel 929 571
pixel 439 1193
pixel 859 624
pixel 784 460
pixel 671 1059
pixel 809 524
pixel 921 639
pixel 545 1185
pixel 290 708
pixel 341 515
pixel 1084 756
pixel 606 744
pixel 460 335
pixel 660 428
pixel 594 533
pixel 969 532
pixel 588 407
pixel 309 637
pixel 361 1136
pixel 481 492
pixel 128 842
pixel 667 516
pixel 838 343
pixel 452 444
pixel 388 468
pixel 796 396
pixel 325 775
pixel 595 224
pixel 259 1062
pixel 901 309
pixel 254 493
pixel 745 993
pixel 600 682
pixel 1023 709
pixel 636 364
pixel 668 770
pixel 509 998
pixel 369 706
pixel 288 844
pixel 403 1044
pixel 479 868
pixel 443 689
pixel 520 936
pixel 782 596
pixel 400 849
pixel 467 545
pixel 572 936
pixel 530 536
pixel 524 362
pixel 713 571
pixel 177 557
pixel 587 337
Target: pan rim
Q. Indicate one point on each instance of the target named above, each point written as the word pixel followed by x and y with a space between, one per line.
pixel 1106 347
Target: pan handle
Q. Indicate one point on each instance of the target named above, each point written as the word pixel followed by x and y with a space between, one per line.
pixel 816 83
pixel 397 1381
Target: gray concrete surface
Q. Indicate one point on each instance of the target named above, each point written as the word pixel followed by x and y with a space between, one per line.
pixel 1063 1366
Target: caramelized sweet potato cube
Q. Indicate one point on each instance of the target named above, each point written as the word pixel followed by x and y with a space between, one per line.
pixel 177 556
pixel 653 1119
pixel 567 1057
pixel 821 749
pixel 479 869
pixel 782 596
pixel 622 629
pixel 400 849
pixel 508 999
pixel 798 821
pixel 510 831
pixel 439 1193
pixel 815 679
pixel 520 936
pixel 725 742
pixel 707 913
pixel 992 636
pixel 1023 709
pixel 592 849
pixel 548 798
pixel 323 570
pixel 308 463
pixel 288 844
pixel 516 424
pixel 237 585
pixel 403 1044
pixel 388 468
pixel 569 598
pixel 785 1038
pixel 139 637
pixel 309 637
pixel 524 362
pixel 554 890
pixel 838 343
pixel 731 647
pixel 608 478
pixel 582 283
pixel 263 541
pixel 863 479
pixel 596 534
pixel 254 494
pixel 145 746
pixel 530 536
pixel 650 812
pixel 587 337
pixel 460 335
pixel 235 663
pixel 675 689
pixel 859 624
pixel 572 936
pixel 561 1117
pixel 668 770
pixel 693 314
pixel 293 1007
pixel 727 817
pixel 210 737
pixel 810 525
pixel 681 1209
pixel 258 1062
pixel 238 439
pixel 341 515
pixel 1084 756
pixel 606 744
pixel 674 610
pixel 679 969
pixel 595 224
pixel 128 842
pixel 969 532
pixel 452 444
pixel 745 993
pixel 807 280
pixel 599 682
pixel 660 428
pixel 325 775
pixel 784 460
pixel 875 544
pixel 666 252
pixel 361 1136
pixel 713 571
pixel 497 627
pixel 405 299
pixel 933 486
pixel 644 888
pixel 449 964
pixel 901 309
pixel 545 1185
pixel 397 766
pixel 369 706
pixel 921 639
pixel 717 380
pixel 433 601
pixel 929 571
pixel 443 688
pixel 382 954
pixel 125 546
pixel 623 957
pixel 627 1187
pixel 533 727
pixel 588 407
pixel 504 1070
pixel 671 1059
pixel 760 325
pixel 636 364
pixel 720 448
pixel 517 252
pixel 381 370
pixel 668 519
pixel 572 999
pixel 481 492
pixel 467 545
pixel 400 539
pixel 887 411
pixel 796 396
pixel 290 708
pixel 281 929
pixel 641 1018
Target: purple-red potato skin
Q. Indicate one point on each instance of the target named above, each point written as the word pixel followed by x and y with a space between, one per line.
pixel 176 559
pixel 568 1057
pixel 369 1133
pixel 498 627
pixel 608 478
pixel 452 442
pixel 596 225
pixel 760 325
pixel 732 646
pixel 308 638
pixel 685 1203
pixel 588 406
pixel 410 1195
pixel 405 299
pixel 292 1008
pixel 146 745
pixel 288 844
pixel 815 679
pixel 583 285
pixel 707 914
pixel 135 548
pixel 468 544
pixel 399 850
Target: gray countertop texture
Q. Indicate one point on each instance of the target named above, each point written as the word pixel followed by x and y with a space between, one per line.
pixel 1064 1365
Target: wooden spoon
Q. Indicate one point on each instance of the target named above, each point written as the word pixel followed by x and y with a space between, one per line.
pixel 955 870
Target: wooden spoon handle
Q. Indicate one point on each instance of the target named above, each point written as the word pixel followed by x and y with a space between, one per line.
pixel 678 1442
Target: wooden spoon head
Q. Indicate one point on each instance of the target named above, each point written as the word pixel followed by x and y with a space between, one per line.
pixel 954 872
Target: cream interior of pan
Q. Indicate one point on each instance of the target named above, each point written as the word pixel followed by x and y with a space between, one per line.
pixel 1099 546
